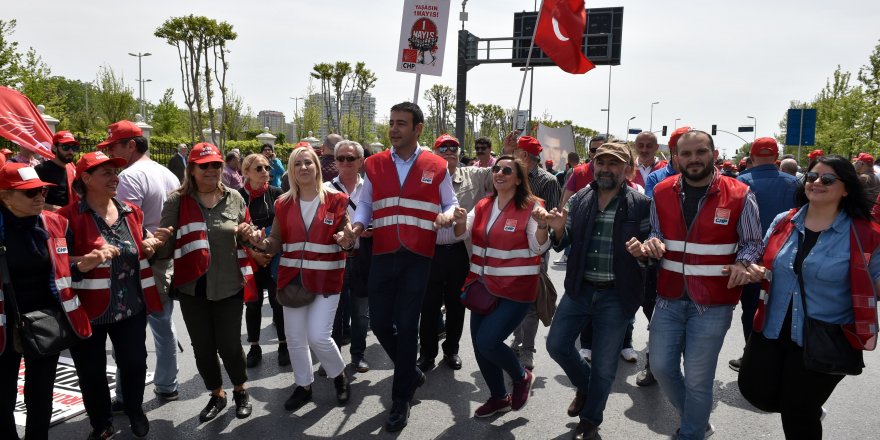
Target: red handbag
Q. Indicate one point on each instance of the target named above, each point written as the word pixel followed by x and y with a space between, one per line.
pixel 478 299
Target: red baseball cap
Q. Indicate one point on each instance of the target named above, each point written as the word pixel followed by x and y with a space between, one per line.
pixel 64 137
pixel 96 158
pixel 815 154
pixel 727 165
pixel 118 131
pixel 673 137
pixel 530 144
pixel 302 144
pixel 445 138
pixel 866 158
pixel 765 147
pixel 549 163
pixel 20 176
pixel 6 151
pixel 204 152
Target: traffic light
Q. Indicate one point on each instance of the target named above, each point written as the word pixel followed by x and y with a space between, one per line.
pixel 714 129
pixel 664 130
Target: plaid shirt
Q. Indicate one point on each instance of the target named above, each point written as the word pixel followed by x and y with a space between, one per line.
pixel 600 253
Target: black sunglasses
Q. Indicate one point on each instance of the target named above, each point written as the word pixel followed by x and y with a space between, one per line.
pixel 70 147
pixel 260 168
pixel 448 148
pixel 506 170
pixel 481 148
pixel 214 165
pixel 346 158
pixel 33 192
pixel 826 179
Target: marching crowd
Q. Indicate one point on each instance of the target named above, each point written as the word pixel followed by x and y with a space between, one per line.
pixel 342 243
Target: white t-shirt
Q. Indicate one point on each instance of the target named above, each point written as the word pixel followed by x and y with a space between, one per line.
pixel 147 184
pixel 308 210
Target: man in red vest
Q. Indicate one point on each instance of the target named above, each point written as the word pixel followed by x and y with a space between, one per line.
pixel 647 161
pixel 706 232
pixel 406 196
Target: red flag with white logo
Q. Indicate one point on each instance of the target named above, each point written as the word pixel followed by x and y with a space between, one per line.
pixel 560 33
pixel 21 122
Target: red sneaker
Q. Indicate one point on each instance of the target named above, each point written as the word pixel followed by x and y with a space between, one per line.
pixel 493 406
pixel 521 390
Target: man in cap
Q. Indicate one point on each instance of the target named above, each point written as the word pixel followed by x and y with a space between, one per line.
pixel 604 284
pixel 177 163
pixel 60 171
pixel 147 184
pixel 864 164
pixel 545 186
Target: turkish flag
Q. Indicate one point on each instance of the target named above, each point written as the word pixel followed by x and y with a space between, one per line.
pixel 560 33
pixel 21 122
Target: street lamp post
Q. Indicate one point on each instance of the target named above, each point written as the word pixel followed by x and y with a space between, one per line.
pixel 754 128
pixel 675 125
pixel 607 124
pixel 627 127
pixel 651 125
pixel 140 77
pixel 296 112
pixel 531 89
pixel 143 91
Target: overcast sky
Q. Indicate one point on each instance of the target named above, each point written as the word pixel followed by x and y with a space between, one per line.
pixel 706 62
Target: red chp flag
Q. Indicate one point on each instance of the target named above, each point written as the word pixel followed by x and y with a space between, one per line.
pixel 560 33
pixel 21 122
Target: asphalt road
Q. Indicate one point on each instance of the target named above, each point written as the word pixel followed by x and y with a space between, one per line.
pixel 444 406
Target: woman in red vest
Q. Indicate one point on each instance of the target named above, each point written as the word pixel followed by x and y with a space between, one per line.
pixel 824 258
pixel 213 276
pixel 114 281
pixel 308 218
pixel 36 241
pixel 509 235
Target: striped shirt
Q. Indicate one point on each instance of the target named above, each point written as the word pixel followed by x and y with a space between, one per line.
pixel 545 186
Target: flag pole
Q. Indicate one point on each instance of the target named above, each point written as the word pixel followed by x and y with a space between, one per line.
pixel 528 61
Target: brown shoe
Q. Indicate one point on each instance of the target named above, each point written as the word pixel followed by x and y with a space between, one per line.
pixel 577 404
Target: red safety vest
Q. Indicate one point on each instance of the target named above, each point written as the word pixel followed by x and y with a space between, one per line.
pixel 94 288
pixel 192 254
pixel 582 175
pixel 697 255
pixel 72 196
pixel 501 255
pixel 312 252
pixel 404 216
pixel 862 334
pixel 56 225
pixel 658 164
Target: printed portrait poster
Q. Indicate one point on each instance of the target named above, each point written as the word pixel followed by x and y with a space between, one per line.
pixel 423 36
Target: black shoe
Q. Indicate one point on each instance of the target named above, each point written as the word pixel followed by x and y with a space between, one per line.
pixel 735 364
pixel 398 416
pixel 346 339
pixel 166 397
pixel 321 371
pixel 577 404
pixel 243 405
pixel 117 406
pixel 300 397
pixel 140 425
pixel 343 388
pixel 214 406
pixel 425 364
pixel 104 434
pixel 645 377
pixel 586 431
pixel 361 366
pixel 421 380
pixel 453 361
pixel 283 355
pixel 254 356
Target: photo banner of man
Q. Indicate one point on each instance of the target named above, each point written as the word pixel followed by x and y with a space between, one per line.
pixel 423 36
pixel 557 143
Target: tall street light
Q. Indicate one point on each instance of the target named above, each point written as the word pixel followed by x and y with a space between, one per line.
pixel 143 89
pixel 754 128
pixel 627 127
pixel 296 112
pixel 607 124
pixel 651 125
pixel 675 125
pixel 140 77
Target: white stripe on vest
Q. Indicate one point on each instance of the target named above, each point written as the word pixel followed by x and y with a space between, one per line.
pixel 191 227
pixel 502 254
pixel 312 264
pixel 700 249
pixel 704 270
pixel 406 203
pixel 92 284
pixel 392 220
pixel 189 247
pixel 61 283
pixel 71 304
pixel 311 247
pixel 513 271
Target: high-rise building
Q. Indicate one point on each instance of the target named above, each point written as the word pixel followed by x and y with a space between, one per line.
pixel 272 119
pixel 352 105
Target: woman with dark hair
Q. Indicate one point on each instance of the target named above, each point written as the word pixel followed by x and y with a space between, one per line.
pixel 817 255
pixel 509 235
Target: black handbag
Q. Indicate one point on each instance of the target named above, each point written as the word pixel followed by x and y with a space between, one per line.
pixel 41 333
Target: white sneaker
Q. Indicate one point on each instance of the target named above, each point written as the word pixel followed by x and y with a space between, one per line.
pixel 629 355
pixel 824 413
pixel 587 354
pixel 562 260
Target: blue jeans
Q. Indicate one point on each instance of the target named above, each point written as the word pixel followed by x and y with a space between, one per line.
pixel 494 357
pixel 609 323
pixel 675 327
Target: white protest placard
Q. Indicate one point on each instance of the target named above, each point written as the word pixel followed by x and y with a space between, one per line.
pixel 423 36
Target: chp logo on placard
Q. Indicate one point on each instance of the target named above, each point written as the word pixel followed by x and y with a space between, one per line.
pixel 423 36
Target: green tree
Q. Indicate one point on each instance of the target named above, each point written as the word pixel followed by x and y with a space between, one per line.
pixel 166 117
pixel 869 76
pixel 9 56
pixel 340 79
pixel 114 100
pixel 441 103
pixel 323 72
pixel 365 80
pixel 35 81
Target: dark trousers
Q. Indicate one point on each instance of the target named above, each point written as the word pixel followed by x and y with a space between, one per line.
pixel 773 378
pixel 448 271
pixel 39 379
pixel 253 314
pixel 396 287
pixel 215 327
pixel 356 300
pixel 749 300
pixel 90 358
pixel 494 357
pixel 342 320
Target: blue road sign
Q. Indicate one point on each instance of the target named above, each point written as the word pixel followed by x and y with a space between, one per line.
pixel 635 130
pixel 801 128
pixel 746 129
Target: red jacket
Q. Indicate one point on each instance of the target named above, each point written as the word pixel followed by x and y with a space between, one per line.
pixel 862 334
pixel 404 216
pixel 696 255
pixel 56 226
pixel 501 257
pixel 94 288
pixel 658 164
pixel 312 252
pixel 582 176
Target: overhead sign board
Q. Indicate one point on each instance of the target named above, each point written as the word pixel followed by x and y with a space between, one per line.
pixel 801 127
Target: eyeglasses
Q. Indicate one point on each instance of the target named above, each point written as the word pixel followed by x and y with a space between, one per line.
pixel 33 192
pixel 346 158
pixel 448 148
pixel 260 168
pixel 506 170
pixel 480 149
pixel 593 150
pixel 70 147
pixel 213 165
pixel 826 179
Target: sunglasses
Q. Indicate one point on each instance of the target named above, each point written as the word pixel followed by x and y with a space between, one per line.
pixel 448 148
pixel 70 147
pixel 480 149
pixel 346 158
pixel 826 179
pixel 33 192
pixel 214 165
pixel 260 168
pixel 506 170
